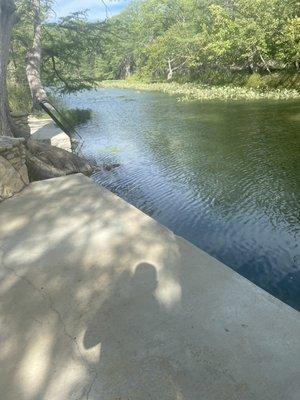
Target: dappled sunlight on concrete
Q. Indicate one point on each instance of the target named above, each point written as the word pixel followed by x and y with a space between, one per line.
pixel 99 301
pixel 33 368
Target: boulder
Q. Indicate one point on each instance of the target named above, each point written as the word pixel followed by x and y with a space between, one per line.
pixel 12 181
pixel 45 161
pixel 20 124
pixel 13 170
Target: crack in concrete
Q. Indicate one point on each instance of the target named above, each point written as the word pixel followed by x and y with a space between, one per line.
pixel 46 296
pixel 48 300
pixel 91 385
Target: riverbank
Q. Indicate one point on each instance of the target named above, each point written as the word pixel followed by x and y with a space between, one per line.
pixel 195 91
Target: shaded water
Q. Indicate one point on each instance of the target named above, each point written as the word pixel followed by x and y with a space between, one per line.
pixel 225 176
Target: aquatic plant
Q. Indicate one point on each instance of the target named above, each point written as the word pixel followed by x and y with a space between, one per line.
pixel 193 91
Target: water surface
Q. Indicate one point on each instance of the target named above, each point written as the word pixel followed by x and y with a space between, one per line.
pixel 224 175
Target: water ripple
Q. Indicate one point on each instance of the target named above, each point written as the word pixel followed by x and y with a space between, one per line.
pixel 224 176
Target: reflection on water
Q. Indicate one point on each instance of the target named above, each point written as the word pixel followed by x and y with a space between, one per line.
pixel 223 175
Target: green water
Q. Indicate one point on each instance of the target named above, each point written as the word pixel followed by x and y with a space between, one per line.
pixel 226 176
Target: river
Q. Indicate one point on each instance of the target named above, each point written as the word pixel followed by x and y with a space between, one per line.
pixel 224 175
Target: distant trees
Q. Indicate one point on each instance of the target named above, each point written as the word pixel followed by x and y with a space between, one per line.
pixel 154 39
pixel 187 37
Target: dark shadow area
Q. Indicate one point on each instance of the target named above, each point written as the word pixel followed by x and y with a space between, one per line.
pixel 130 327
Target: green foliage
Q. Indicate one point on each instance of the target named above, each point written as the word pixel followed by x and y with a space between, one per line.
pixel 193 91
pixel 71 52
pixel 19 97
pixel 71 49
pixel 251 43
pixel 277 80
pixel 70 56
pixel 76 116
pixel 289 41
pixel 197 39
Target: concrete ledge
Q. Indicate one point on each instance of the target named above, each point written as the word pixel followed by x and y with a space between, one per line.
pixel 99 301
pixel 46 130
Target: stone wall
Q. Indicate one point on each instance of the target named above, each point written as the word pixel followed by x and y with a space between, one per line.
pixel 20 124
pixel 13 169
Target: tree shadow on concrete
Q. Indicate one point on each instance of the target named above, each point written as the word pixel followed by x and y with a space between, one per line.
pixel 96 297
pixel 63 247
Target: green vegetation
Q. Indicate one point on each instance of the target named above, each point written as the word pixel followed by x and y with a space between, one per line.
pixel 204 49
pixel 19 97
pixel 193 91
pixel 251 43
pixel 66 54
pixel 76 116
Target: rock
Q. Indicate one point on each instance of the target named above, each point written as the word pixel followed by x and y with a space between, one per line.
pixel 20 124
pixel 109 167
pixel 13 171
pixel 8 142
pixel 45 161
pixel 12 181
pixel 105 166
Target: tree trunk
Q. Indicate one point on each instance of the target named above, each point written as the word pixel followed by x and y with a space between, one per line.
pixel 7 21
pixel 127 68
pixel 34 58
pixel 33 72
pixel 170 71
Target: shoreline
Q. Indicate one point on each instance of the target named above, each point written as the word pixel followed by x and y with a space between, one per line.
pixel 200 92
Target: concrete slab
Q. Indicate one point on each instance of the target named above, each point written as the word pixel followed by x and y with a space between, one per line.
pixel 42 129
pixel 100 302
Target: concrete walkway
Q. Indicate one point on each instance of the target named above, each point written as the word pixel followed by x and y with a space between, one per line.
pixel 42 129
pixel 100 302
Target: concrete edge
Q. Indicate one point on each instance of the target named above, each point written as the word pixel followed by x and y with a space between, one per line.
pixel 260 291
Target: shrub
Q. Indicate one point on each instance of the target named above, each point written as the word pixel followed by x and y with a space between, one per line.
pixel 76 116
pixel 19 97
pixel 254 81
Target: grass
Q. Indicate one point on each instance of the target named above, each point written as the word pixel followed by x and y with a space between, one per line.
pixel 196 91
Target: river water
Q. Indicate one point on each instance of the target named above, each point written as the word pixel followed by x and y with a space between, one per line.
pixel 224 175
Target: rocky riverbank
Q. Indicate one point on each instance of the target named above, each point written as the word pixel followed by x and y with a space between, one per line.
pixel 23 161
pixel 36 154
pixel 13 169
